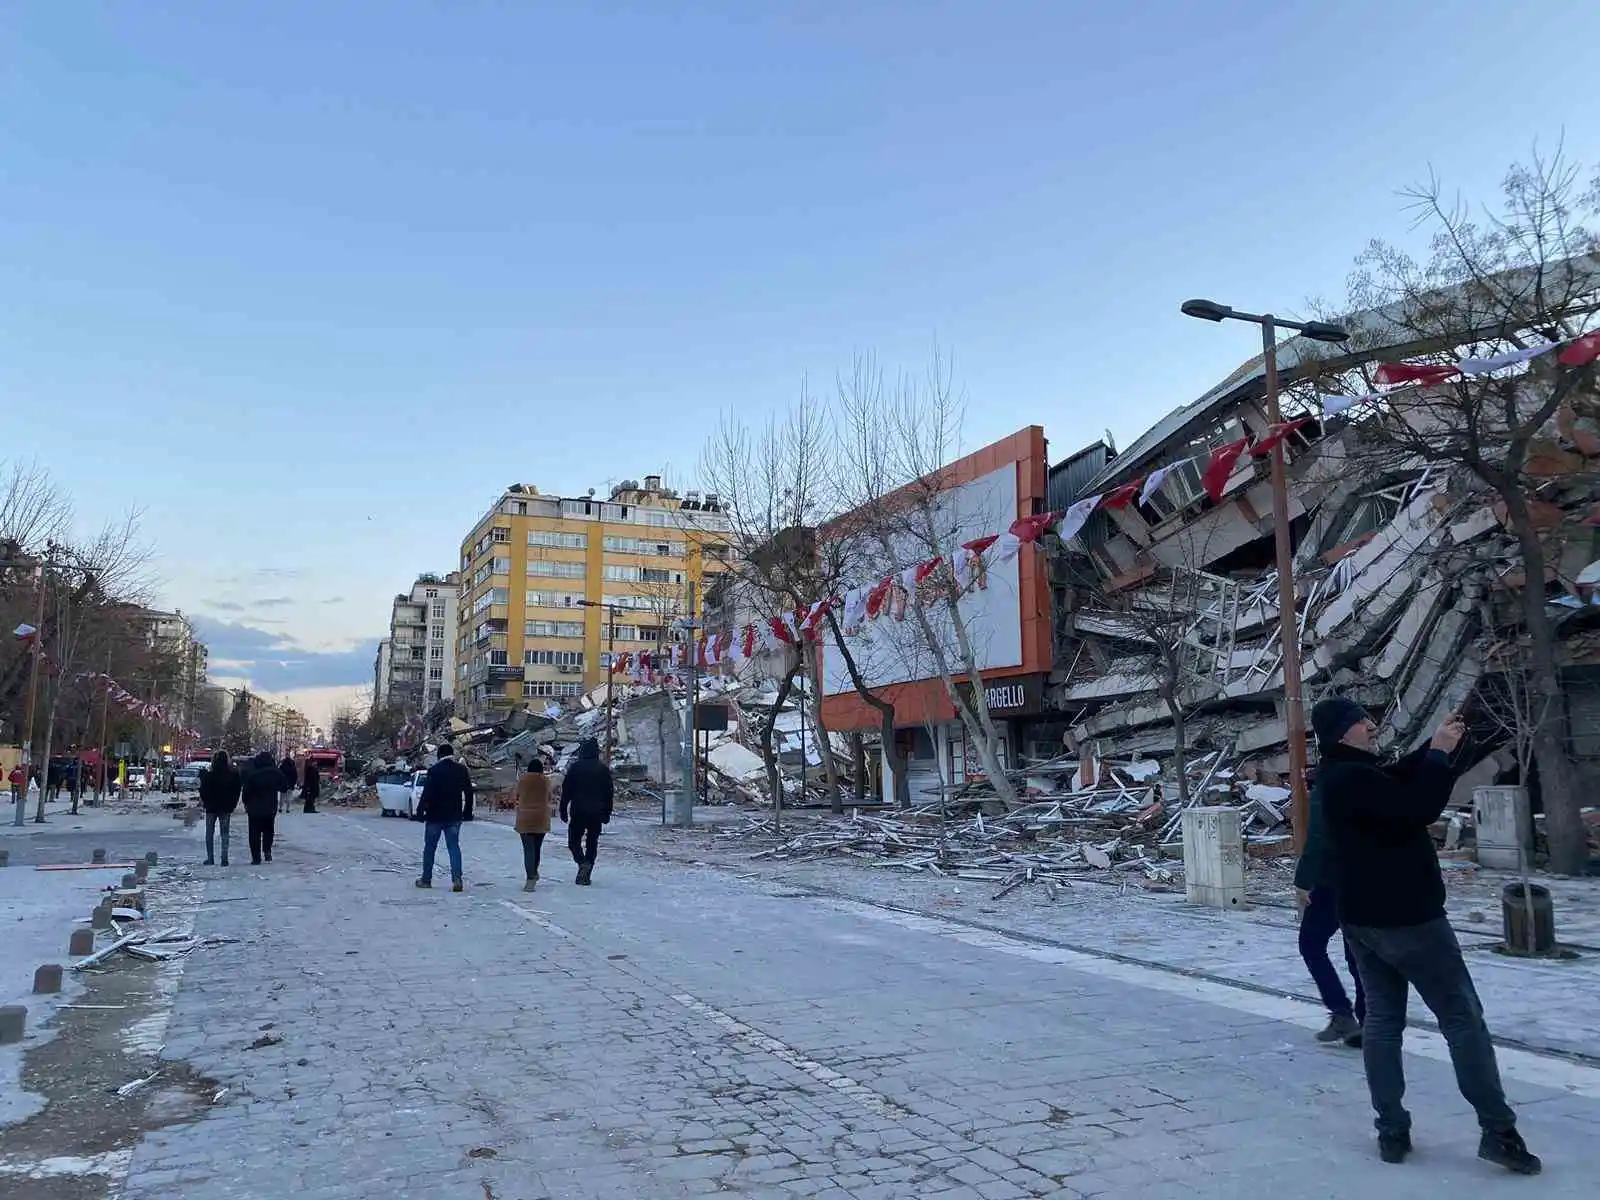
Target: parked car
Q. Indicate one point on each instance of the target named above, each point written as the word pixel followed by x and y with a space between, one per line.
pixel 399 791
pixel 186 779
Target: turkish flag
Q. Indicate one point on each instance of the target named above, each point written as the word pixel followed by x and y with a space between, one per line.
pixel 1122 496
pixel 1275 434
pixel 1221 466
pixel 1427 374
pixel 1581 352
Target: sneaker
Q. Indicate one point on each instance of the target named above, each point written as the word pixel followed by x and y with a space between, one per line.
pixel 1355 1040
pixel 1340 1027
pixel 425 883
pixel 530 885
pixel 580 879
pixel 1393 1147
pixel 209 863
pixel 586 874
pixel 458 886
pixel 224 862
pixel 1507 1149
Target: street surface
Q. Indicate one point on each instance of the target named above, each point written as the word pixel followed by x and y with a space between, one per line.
pixel 678 1031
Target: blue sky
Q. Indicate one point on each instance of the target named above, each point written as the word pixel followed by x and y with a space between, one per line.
pixel 311 282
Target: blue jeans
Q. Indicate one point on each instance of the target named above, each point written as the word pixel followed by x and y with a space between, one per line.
pixel 1317 927
pixel 452 845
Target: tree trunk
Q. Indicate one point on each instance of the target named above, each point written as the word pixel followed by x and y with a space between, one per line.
pixel 1563 818
pixel 44 767
pixel 830 769
pixel 858 758
pixel 889 748
pixel 1180 749
pixel 769 755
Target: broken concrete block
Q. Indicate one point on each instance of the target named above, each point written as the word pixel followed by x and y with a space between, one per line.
pixel 97 856
pixel 47 980
pixel 13 1023
pixel 82 942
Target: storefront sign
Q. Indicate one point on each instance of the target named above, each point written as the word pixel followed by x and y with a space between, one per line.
pixel 1015 696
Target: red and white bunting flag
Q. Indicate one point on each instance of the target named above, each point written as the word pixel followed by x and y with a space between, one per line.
pixel 969 563
pixel 1121 497
pixel 855 609
pixel 1498 362
pixel 1220 467
pixel 1007 546
pixel 1030 529
pixel 1426 374
pixel 1074 519
pixel 1275 435
pixel 747 643
pixel 877 597
pixel 1581 351
pixel 1154 481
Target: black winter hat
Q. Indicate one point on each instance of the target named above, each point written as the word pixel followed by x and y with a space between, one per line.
pixel 1334 717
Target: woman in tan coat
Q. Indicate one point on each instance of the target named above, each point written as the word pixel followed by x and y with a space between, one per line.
pixel 533 817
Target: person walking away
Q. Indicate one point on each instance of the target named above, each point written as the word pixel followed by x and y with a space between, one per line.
pixel 586 799
pixel 290 775
pixel 220 786
pixel 312 787
pixel 446 802
pixel 1390 896
pixel 259 787
pixel 533 817
pixel 1318 907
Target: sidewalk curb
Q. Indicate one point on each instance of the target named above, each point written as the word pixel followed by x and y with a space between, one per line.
pixel 1570 1056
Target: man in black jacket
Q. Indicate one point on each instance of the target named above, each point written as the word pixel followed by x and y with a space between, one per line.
pixel 260 784
pixel 446 802
pixel 586 798
pixel 219 796
pixel 1318 905
pixel 1391 903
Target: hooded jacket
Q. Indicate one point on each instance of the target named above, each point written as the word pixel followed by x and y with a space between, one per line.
pixel 311 789
pixel 219 789
pixel 260 783
pixel 1383 865
pixel 287 769
pixel 446 793
pixel 586 792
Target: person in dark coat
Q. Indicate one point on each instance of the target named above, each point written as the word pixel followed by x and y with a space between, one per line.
pixel 219 796
pixel 445 803
pixel 586 800
pixel 1318 906
pixel 1390 896
pixel 312 787
pixel 260 785
pixel 291 776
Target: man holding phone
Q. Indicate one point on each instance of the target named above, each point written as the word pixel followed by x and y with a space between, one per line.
pixel 1391 905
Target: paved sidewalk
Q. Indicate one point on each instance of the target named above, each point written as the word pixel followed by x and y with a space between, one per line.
pixel 1544 1005
pixel 675 1032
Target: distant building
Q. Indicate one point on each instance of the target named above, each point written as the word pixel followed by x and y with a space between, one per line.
pixel 417 661
pixel 544 579
pixel 183 660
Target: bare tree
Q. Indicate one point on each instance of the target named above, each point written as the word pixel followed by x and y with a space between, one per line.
pixel 898 443
pixel 1495 281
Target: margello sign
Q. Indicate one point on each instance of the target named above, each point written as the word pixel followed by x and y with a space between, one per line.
pixel 1021 695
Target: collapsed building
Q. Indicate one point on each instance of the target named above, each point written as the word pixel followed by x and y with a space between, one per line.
pixel 1407 578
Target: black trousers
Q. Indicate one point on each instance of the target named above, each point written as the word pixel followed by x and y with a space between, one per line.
pixel 261 829
pixel 1428 958
pixel 532 844
pixel 583 838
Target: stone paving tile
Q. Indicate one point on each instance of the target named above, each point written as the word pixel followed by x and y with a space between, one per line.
pixel 675 1033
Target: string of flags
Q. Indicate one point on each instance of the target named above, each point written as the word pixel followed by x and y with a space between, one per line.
pixel 1398 376
pixel 146 709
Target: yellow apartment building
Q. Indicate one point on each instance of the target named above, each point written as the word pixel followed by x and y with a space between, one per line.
pixel 544 577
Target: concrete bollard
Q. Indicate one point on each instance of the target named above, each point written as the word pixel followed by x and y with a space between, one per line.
pixel 5 858
pixel 190 818
pixel 47 980
pixel 130 880
pixel 141 871
pixel 13 1023
pixel 99 856
pixel 152 858
pixel 82 942
pixel 101 917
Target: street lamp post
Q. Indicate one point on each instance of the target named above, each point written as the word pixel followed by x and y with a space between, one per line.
pixel 1288 621
pixel 611 667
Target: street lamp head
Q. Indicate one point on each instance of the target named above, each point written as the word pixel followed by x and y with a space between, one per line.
pixel 1206 310
pixel 1324 331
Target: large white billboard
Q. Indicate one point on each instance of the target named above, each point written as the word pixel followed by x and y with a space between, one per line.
pixel 890 651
